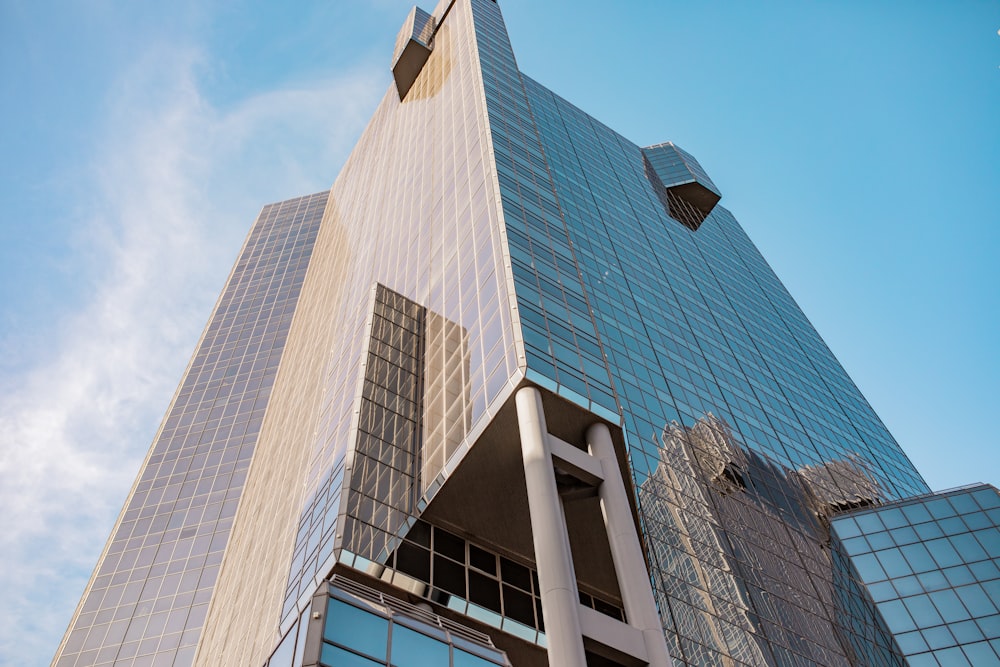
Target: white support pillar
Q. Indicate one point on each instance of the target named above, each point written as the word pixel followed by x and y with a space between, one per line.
pixel 626 552
pixel 556 577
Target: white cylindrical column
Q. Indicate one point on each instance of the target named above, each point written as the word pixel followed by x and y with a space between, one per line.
pixel 556 577
pixel 626 551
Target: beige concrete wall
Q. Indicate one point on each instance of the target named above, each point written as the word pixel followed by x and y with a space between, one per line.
pixel 416 209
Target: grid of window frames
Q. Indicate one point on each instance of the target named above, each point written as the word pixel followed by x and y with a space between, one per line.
pixel 383 493
pixel 560 336
pixel 475 581
pixel 147 600
pixel 931 566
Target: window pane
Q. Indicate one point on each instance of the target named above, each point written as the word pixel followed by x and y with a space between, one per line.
pixel 413 649
pixel 334 656
pixel 357 629
pixel 463 659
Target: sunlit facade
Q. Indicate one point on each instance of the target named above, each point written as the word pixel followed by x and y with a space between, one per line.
pixel 515 391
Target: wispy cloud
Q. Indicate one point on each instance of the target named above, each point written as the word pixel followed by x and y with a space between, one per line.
pixel 171 196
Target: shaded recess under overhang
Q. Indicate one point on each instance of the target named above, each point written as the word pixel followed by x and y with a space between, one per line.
pixel 680 183
pixel 486 497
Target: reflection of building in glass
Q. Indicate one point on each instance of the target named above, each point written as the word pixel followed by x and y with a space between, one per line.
pixel 690 546
pixel 841 485
pixel 436 395
pixel 742 553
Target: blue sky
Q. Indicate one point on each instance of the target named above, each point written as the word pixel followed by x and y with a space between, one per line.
pixel 857 142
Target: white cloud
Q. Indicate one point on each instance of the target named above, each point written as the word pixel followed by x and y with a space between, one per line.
pixel 171 196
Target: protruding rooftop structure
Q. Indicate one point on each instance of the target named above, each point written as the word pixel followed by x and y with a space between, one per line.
pixel 686 191
pixel 413 48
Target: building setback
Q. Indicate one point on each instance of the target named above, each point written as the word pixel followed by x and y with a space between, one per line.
pixel 515 391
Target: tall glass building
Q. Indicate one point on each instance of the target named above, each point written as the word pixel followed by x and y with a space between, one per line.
pixel 515 391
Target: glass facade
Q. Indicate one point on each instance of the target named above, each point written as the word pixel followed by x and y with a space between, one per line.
pixel 484 235
pixel 929 566
pixel 696 328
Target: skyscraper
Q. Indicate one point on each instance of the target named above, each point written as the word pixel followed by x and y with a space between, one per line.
pixel 514 391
